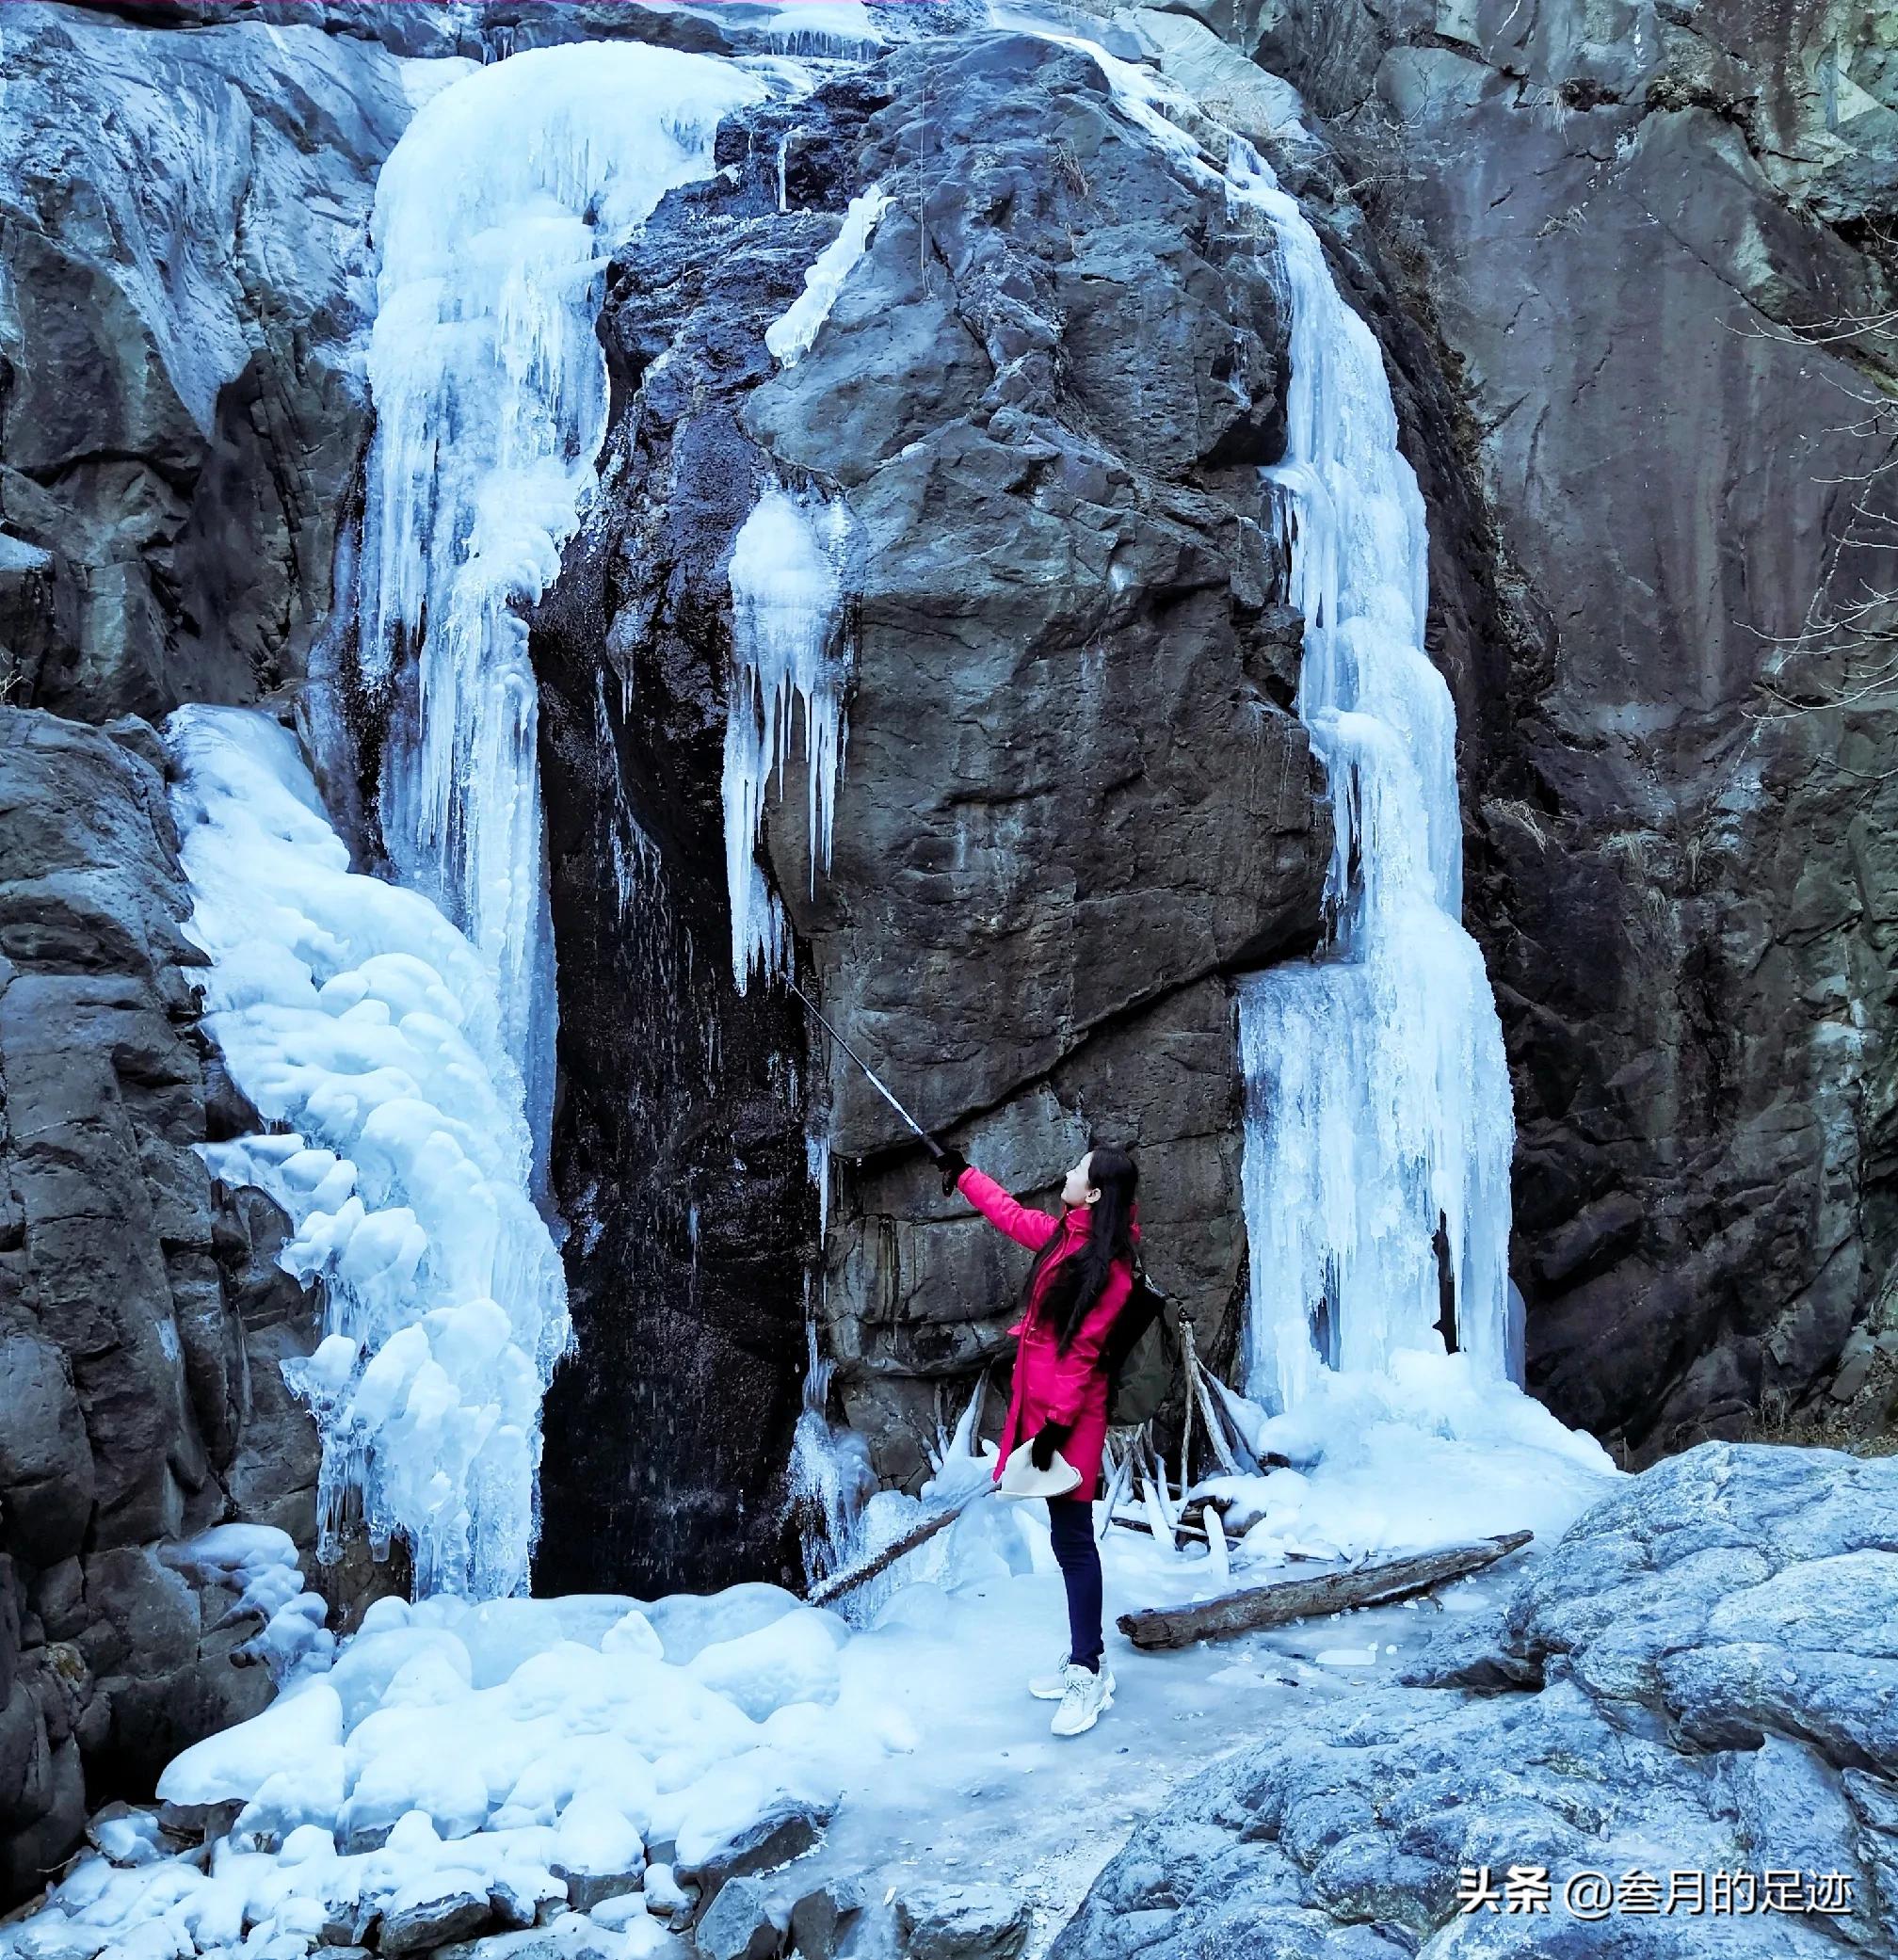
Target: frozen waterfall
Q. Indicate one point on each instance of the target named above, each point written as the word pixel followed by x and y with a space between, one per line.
pixel 494 219
pixel 1379 1125
pixel 353 1014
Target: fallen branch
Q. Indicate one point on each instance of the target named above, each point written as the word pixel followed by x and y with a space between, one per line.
pixel 1299 1598
pixel 1142 1524
pixel 853 1576
pixel 1215 1427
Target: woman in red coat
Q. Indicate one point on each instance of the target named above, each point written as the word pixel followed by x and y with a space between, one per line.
pixel 1081 1278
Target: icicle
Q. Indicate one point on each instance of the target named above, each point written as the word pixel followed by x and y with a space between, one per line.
pixel 1219 1561
pixel 1378 1107
pixel 818 1167
pixel 1377 1096
pixel 831 1474
pixel 786 605
pixel 494 215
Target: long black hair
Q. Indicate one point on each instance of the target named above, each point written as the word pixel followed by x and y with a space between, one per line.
pixel 1079 1278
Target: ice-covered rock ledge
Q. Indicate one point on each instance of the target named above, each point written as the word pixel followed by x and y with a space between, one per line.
pixel 1702 1677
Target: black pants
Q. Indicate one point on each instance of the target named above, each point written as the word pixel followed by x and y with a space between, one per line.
pixel 1070 1523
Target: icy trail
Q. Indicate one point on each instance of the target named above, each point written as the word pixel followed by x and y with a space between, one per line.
pixel 353 1014
pixel 494 217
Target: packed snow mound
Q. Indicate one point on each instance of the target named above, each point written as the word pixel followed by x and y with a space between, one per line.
pixel 510 1754
pixel 1429 1450
pixel 354 1016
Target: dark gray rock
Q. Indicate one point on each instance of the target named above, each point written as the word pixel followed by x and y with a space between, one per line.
pixel 1615 268
pixel 787 1829
pixel 180 404
pixel 517 1904
pixel 1708 1659
pixel 1074 801
pixel 429 1913
pixel 961 1922
pixel 739 1924
pixel 822 1920
pixel 351 1921
pixel 587 1888
pixel 129 1388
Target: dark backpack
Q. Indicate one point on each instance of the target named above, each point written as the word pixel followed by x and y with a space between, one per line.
pixel 1141 1355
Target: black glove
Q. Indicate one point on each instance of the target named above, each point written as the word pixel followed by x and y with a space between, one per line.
pixel 950 1162
pixel 1048 1440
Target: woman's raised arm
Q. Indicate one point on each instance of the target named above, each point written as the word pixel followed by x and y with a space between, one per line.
pixel 1023 1224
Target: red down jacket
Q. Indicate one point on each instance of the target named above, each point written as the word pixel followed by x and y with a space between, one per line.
pixel 1051 1386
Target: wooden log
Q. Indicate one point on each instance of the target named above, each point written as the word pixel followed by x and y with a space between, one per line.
pixel 828 1589
pixel 1326 1592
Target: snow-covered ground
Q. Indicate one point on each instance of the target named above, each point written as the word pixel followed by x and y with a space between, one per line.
pixel 454 1765
pixel 920 1730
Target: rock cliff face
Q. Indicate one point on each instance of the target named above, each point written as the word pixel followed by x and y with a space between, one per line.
pixel 141 1317
pixel 1072 800
pixel 1628 262
pixel 1697 1678
pixel 185 218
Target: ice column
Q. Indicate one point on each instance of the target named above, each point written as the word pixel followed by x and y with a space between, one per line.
pixel 494 217
pixel 830 1473
pixel 787 593
pixel 1379 1126
pixel 363 1025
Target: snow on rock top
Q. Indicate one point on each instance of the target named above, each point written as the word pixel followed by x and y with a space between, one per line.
pixel 353 1014
pixel 534 1746
pixel 790 336
pixel 231 1767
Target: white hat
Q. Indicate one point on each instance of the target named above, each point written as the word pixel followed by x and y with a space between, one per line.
pixel 1021 1479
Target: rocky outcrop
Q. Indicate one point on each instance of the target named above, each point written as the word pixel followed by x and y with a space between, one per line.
pixel 1623 263
pixel 141 1317
pixel 1068 750
pixel 1698 1678
pixel 1073 803
pixel 182 401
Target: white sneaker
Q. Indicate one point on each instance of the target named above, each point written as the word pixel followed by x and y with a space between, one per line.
pixel 1051 1687
pixel 1084 1696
